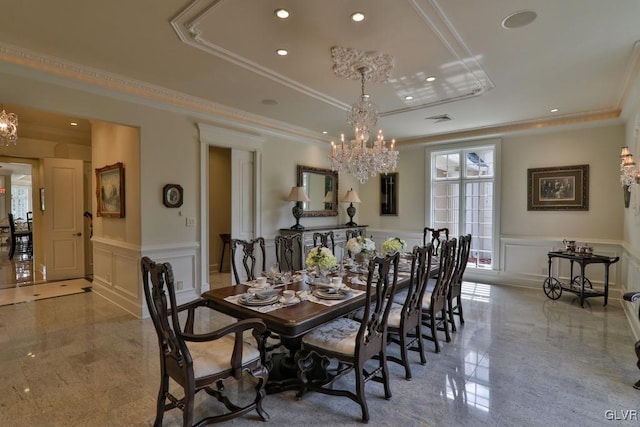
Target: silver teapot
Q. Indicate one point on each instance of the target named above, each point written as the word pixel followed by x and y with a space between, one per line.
pixel 584 249
pixel 569 245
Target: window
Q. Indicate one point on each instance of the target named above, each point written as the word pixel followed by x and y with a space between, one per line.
pixel 462 198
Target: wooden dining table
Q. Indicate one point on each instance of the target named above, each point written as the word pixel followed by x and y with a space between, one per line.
pixel 291 322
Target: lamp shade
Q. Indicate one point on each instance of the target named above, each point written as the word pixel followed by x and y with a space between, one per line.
pixel 351 197
pixel 329 197
pixel 297 194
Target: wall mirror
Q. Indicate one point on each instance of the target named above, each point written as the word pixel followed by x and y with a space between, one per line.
pixel 321 185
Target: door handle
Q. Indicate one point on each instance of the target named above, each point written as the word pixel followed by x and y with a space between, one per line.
pixel 77 234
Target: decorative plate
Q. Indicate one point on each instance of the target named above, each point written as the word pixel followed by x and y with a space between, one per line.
pixel 256 302
pixel 172 196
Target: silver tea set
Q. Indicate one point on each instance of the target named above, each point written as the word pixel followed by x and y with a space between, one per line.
pixel 570 246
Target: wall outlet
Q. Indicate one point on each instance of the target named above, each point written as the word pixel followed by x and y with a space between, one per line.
pixel 179 285
pixel 191 222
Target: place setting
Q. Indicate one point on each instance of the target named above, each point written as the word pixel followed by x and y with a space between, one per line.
pixel 332 293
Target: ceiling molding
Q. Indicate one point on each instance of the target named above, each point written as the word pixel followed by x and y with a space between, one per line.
pixel 187 25
pixel 508 128
pixel 159 96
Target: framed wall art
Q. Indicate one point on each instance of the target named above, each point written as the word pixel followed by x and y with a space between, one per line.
pixel 558 188
pixel 172 195
pixel 389 194
pixel 110 191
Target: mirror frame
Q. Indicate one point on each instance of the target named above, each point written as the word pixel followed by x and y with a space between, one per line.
pixel 321 171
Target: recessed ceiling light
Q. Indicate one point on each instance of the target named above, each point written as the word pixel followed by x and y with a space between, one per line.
pixel 519 19
pixel 357 17
pixel 282 52
pixel 430 79
pixel 408 98
pixel 324 132
pixel 282 13
pixel 73 124
pixel 554 110
pixel 269 102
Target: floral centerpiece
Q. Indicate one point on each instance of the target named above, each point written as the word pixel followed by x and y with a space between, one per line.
pixel 393 244
pixel 359 244
pixel 322 258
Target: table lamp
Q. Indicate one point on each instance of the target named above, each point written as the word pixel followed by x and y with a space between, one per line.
pixel 351 197
pixel 297 195
pixel 328 200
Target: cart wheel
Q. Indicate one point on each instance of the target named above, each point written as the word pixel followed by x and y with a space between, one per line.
pixel 552 288
pixel 576 282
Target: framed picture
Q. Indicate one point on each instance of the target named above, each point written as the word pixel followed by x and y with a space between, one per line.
pixel 389 194
pixel 558 188
pixel 172 195
pixel 110 191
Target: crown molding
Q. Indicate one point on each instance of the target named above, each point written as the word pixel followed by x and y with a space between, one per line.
pixel 141 92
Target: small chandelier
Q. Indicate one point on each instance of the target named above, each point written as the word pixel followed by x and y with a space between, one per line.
pixel 359 158
pixel 8 128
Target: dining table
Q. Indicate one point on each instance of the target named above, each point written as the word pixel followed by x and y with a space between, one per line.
pixel 291 321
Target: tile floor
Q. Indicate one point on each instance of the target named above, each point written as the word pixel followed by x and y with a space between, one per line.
pixel 520 360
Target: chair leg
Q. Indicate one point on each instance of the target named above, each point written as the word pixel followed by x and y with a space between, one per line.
pixel 187 411
pixel 460 309
pixel 262 375
pixel 450 310
pixel 445 325
pixel 434 331
pixel 385 373
pixel 404 354
pixel 162 397
pixel 423 358
pixel 12 249
pixel 360 393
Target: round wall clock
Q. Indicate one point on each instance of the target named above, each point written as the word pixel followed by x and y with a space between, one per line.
pixel 172 195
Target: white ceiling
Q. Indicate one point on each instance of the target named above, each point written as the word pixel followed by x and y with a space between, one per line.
pixel 577 56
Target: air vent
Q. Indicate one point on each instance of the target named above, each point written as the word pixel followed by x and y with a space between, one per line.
pixel 441 118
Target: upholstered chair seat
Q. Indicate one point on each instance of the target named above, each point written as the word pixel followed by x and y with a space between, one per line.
pixel 210 358
pixel 337 336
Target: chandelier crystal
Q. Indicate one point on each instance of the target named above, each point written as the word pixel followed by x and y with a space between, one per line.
pixel 359 157
pixel 8 128
pixel 629 173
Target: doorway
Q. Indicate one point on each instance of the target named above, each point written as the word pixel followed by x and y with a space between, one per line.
pixel 219 216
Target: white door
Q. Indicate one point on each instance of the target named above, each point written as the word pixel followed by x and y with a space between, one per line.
pixel 63 220
pixel 242 200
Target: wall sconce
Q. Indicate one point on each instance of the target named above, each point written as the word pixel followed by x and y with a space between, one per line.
pixel 629 174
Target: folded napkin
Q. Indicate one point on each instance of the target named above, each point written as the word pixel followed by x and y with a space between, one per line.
pixel 267 293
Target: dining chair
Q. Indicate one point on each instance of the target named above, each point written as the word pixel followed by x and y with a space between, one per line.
pixel 17 237
pixel 200 361
pixel 455 290
pixel 435 236
pixel 356 232
pixel 289 252
pixel 323 239
pixel 434 302
pixel 405 318
pixel 253 258
pixel 351 342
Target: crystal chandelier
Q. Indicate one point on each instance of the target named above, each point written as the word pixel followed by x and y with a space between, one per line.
pixel 359 158
pixel 629 174
pixel 8 128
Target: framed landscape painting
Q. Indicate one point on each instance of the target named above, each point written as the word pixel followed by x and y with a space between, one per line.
pixel 110 191
pixel 558 188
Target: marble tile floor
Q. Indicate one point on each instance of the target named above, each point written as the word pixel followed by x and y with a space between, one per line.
pixel 26 293
pixel 520 360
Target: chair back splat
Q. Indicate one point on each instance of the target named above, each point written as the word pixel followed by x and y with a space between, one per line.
pixel 253 258
pixel 454 299
pixel 435 236
pixel 352 342
pixel 200 361
pixel 324 239
pixel 289 252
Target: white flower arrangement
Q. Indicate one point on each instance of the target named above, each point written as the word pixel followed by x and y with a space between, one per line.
pixel 393 244
pixel 355 245
pixel 321 257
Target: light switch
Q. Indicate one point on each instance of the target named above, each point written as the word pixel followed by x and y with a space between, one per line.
pixel 191 222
